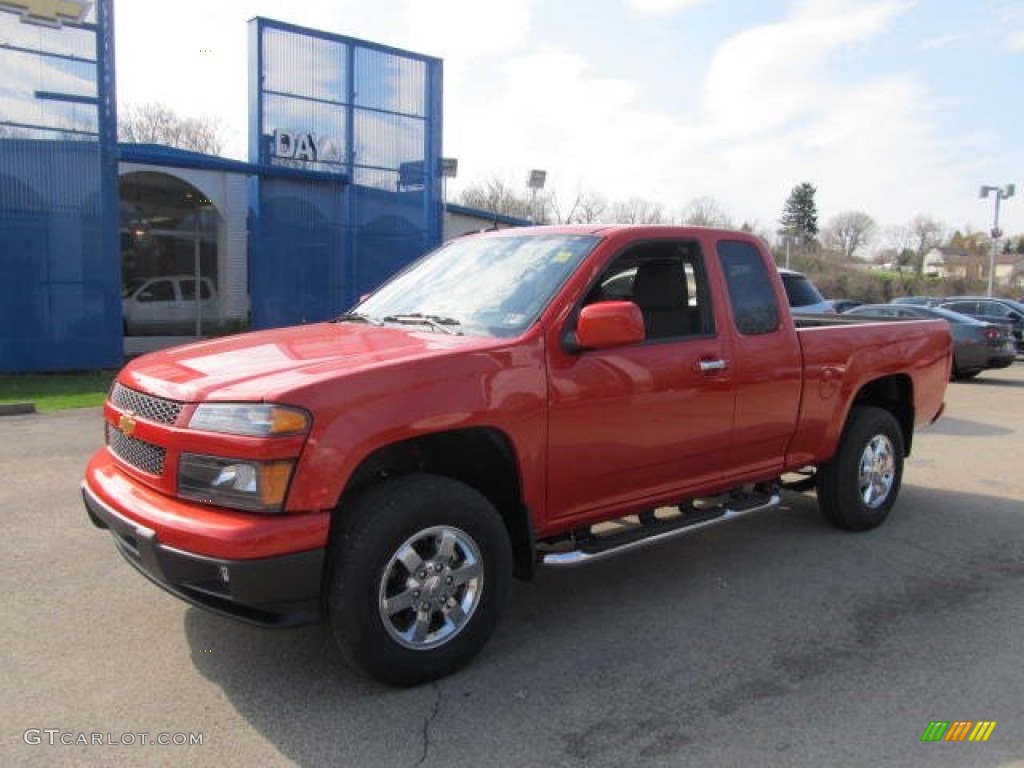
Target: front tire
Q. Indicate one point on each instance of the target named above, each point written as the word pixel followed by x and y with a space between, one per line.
pixel 858 487
pixel 421 566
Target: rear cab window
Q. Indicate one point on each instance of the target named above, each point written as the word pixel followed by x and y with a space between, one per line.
pixel 755 309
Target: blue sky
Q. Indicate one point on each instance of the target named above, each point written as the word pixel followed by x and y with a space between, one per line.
pixel 891 107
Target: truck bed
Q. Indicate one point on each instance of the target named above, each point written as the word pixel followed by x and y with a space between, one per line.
pixel 844 355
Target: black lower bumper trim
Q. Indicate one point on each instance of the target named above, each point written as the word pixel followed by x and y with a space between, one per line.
pixel 280 591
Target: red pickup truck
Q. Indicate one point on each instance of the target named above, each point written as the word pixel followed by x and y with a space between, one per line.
pixel 549 395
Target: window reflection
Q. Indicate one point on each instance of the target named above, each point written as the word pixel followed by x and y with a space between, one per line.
pixel 303 65
pixel 24 111
pixel 387 141
pixel 389 82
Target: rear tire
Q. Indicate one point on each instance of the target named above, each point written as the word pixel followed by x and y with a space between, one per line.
pixel 965 376
pixel 421 566
pixel 858 487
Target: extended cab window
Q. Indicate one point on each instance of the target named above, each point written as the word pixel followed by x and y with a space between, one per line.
pixel 667 281
pixel 754 308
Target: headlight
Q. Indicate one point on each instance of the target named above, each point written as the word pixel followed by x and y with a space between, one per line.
pixel 255 486
pixel 252 419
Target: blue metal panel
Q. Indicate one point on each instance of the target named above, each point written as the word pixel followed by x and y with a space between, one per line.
pixel 370 116
pixel 59 266
pixel 295 273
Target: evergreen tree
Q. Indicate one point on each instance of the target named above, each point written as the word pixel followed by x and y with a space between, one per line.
pixel 800 216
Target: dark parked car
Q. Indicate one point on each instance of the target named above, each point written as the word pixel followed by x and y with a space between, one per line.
pixel 977 344
pixel 804 298
pixel 992 310
pixel 924 301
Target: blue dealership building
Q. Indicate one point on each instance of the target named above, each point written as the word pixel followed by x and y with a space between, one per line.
pixel 342 187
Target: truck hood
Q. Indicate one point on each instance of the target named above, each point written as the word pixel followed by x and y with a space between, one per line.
pixel 266 365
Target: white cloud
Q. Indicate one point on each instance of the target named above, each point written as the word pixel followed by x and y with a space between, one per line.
pixel 940 42
pixel 660 7
pixel 1011 24
pixel 772 117
pixel 767 76
pixel 461 30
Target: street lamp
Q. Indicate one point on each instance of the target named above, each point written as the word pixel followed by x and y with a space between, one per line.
pixel 535 182
pixel 1002 193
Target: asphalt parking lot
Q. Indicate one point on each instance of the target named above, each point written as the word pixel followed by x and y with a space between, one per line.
pixel 774 641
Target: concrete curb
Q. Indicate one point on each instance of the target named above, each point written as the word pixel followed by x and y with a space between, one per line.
pixel 16 409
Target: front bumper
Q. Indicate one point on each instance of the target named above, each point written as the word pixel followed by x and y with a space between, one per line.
pixel 278 591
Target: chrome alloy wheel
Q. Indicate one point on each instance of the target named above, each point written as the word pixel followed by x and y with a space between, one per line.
pixel 877 471
pixel 431 587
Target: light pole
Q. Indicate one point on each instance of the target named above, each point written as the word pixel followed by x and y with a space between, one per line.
pixel 535 182
pixel 787 239
pixel 1002 193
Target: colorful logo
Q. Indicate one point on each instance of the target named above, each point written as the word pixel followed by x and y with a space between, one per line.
pixel 127 423
pixel 958 730
pixel 51 13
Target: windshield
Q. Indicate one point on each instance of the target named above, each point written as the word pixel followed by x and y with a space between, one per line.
pixel 132 287
pixel 800 291
pixel 494 286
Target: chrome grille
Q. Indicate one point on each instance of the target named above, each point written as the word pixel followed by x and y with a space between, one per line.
pixel 146 406
pixel 140 454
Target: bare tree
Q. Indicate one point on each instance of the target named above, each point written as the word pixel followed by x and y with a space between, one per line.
pixel 497 195
pixel 848 232
pixel 155 123
pixel 593 206
pixel 636 210
pixel 586 207
pixel 926 233
pixel 706 212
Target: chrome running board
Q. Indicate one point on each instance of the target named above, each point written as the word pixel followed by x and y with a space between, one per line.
pixel 650 529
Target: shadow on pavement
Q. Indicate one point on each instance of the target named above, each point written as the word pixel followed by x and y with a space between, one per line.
pixel 948 425
pixel 988 381
pixel 644 658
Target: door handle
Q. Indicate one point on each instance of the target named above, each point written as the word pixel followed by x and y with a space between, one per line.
pixel 711 366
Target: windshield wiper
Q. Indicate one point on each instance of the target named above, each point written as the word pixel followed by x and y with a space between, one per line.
pixel 436 322
pixel 355 317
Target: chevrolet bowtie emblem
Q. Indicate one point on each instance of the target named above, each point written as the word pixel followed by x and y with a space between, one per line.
pixel 127 423
pixel 50 13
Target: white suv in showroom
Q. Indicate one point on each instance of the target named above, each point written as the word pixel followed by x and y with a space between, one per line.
pixel 167 305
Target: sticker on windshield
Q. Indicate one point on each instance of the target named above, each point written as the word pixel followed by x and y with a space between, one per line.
pixel 514 318
pixel 561 257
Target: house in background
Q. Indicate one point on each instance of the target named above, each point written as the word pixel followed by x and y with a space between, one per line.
pixel 951 263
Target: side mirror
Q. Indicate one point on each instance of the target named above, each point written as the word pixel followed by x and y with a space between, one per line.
pixel 608 324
